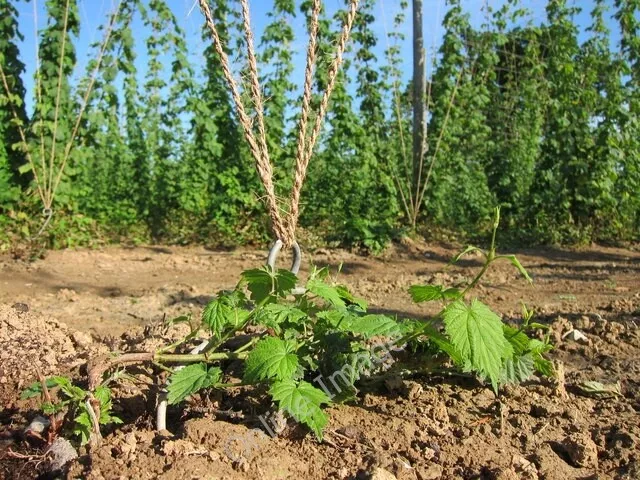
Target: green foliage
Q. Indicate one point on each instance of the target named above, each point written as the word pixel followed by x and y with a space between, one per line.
pixel 429 293
pixel 476 338
pixel 266 285
pixel 226 311
pixel 313 345
pixel 302 401
pixel 73 402
pixel 271 358
pixel 83 425
pixel 476 332
pixel 190 380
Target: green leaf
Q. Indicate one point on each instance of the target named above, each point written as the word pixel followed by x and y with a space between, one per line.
pixel 544 366
pixel 516 263
pixel 271 358
pixel 302 401
pixel 372 326
pixel 223 312
pixel 334 318
pixel 442 343
pixel 35 389
pixel 429 293
pixel 517 369
pixel 326 292
pixel 349 298
pixel 425 293
pixel 275 314
pixel 25 168
pixel 103 394
pixel 536 346
pixel 265 282
pixel 517 338
pixel 191 379
pixel 476 332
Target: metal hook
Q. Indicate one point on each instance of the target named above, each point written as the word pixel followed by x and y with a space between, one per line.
pixel 275 250
pixel 46 212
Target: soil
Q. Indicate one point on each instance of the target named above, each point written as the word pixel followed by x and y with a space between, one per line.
pixel 59 313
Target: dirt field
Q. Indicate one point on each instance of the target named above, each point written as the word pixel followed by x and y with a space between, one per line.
pixel 57 313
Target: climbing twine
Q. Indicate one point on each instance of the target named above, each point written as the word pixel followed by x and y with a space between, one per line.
pixel 47 175
pixel 284 221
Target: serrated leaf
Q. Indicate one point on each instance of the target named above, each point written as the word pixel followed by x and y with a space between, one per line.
pixel 190 380
pixel 326 292
pixel 68 389
pixel 274 314
pixel 429 293
pixel 517 369
pixel 349 298
pixel 476 332
pixel 517 338
pixel 271 358
pixel 334 318
pixel 302 401
pixel 223 312
pixel 537 346
pixel 265 282
pixel 425 293
pixel 544 366
pixel 372 326
pixel 442 343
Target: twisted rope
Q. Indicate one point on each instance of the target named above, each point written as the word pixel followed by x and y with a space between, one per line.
pixel 302 162
pixel 264 168
pixel 284 228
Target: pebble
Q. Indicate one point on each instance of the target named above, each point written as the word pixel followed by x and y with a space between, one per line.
pixel 582 450
pixel 382 474
pixel 432 472
pixel 60 452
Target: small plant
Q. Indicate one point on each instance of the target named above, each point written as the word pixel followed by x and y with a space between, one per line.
pixel 88 410
pixel 479 341
pixel 309 347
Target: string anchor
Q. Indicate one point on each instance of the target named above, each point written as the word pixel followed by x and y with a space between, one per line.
pixel 275 250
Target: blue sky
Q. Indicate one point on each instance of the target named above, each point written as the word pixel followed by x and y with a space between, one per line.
pixel 93 13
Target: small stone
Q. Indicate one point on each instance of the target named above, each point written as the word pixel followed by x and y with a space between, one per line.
pixel 432 472
pixel 584 323
pixel 60 452
pixel 582 450
pixel 20 307
pixel 506 473
pixel 343 473
pixel 38 425
pixel 429 453
pixel 382 474
pixel 525 469
pixel 81 339
pixel 413 390
pixel 576 336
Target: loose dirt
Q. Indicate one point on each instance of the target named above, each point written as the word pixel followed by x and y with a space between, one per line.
pixel 58 313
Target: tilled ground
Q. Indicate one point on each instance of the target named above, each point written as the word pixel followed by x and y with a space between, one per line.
pixel 58 313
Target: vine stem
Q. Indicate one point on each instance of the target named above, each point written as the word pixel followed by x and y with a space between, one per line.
pixel 96 372
pixel 198 357
pixel 490 255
